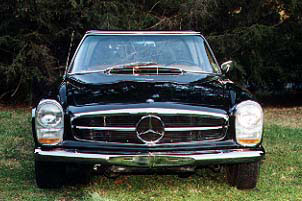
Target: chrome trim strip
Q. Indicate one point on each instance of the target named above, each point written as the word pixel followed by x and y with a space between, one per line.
pixel 33 113
pixel 151 111
pixel 134 129
pixel 221 155
pixel 106 128
pixel 154 159
pixel 149 34
pixel 141 32
pixel 104 70
pixel 169 143
pixel 193 128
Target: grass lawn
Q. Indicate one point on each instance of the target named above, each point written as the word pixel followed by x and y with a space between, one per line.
pixel 280 177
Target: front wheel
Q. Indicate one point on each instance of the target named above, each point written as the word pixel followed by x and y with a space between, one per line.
pixel 49 174
pixel 243 176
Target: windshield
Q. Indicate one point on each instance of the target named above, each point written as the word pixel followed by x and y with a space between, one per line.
pixel 185 52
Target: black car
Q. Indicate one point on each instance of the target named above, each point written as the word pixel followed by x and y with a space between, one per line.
pixel 139 102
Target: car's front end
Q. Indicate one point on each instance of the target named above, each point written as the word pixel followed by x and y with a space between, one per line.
pixel 147 116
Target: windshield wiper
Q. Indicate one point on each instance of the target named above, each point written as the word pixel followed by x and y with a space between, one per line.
pixel 128 65
pixel 143 68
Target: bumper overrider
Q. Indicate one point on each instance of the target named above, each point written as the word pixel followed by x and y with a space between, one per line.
pixel 154 159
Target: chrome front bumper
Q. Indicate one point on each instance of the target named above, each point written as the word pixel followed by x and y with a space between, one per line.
pixel 154 160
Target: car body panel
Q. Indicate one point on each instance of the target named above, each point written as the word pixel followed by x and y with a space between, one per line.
pixel 84 93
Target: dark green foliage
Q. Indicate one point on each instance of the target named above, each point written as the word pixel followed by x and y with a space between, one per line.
pixel 263 37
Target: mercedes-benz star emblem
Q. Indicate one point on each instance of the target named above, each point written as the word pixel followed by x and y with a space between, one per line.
pixel 150 129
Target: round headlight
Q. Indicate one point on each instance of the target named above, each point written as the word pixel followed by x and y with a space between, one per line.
pixel 249 114
pixel 249 123
pixel 49 122
pixel 49 114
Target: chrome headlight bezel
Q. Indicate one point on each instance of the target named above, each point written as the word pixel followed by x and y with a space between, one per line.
pixel 248 123
pixel 49 131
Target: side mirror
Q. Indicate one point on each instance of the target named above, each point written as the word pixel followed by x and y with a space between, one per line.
pixel 226 66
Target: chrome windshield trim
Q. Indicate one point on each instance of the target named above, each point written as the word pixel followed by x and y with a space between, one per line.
pixel 149 34
pixel 165 111
pixel 104 70
pixel 143 32
pixel 175 129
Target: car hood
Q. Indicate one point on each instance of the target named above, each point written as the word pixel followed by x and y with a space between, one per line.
pixel 189 88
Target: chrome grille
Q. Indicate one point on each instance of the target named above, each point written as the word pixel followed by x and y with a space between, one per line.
pixel 130 137
pixel 120 126
pixel 131 120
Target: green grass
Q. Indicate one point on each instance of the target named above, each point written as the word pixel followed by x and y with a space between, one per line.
pixel 280 177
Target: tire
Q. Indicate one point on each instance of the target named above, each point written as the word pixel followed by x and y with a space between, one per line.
pixel 78 174
pixel 49 174
pixel 185 175
pixel 231 174
pixel 243 176
pixel 85 174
